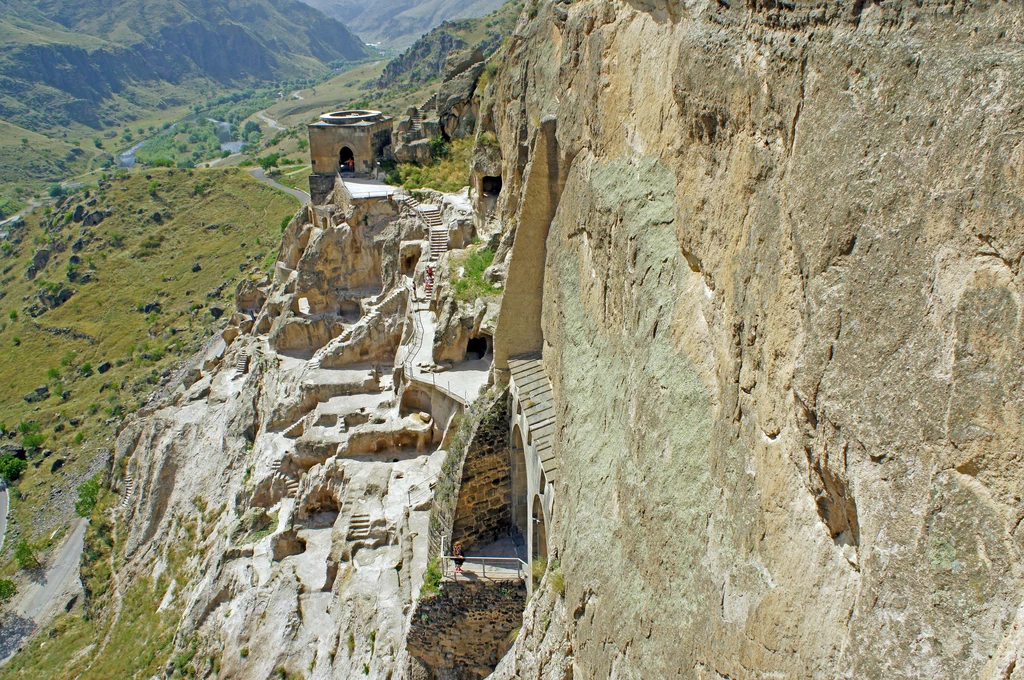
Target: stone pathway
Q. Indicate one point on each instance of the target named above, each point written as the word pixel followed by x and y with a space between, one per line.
pixel 477 568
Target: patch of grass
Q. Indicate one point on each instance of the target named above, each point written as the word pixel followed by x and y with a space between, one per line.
pixel 449 173
pixel 540 566
pixel 556 578
pixel 467 274
pixel 431 579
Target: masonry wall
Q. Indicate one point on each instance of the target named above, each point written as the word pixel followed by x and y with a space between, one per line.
pixel 366 141
pixel 464 630
pixel 484 510
pixel 320 186
pixel 449 483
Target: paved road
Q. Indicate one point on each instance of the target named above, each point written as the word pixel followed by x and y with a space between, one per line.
pixel 262 115
pixel 38 595
pixel 3 516
pixel 20 622
pixel 32 205
pixel 262 176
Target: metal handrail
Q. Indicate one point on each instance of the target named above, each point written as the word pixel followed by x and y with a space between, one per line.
pixel 521 566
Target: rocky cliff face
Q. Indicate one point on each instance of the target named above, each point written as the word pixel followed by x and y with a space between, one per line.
pixel 278 500
pixel 782 318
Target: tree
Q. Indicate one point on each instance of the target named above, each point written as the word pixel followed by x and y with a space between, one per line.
pixel 25 554
pixel 7 590
pixel 269 161
pixel 33 441
pixel 11 468
pixel 87 494
pixel 56 191
pixel 439 148
pixel 250 127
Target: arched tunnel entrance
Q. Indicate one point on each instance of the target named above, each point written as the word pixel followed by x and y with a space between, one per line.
pixel 520 490
pixel 478 347
pixel 346 160
pixel 540 536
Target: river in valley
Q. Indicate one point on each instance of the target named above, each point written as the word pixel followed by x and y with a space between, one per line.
pixel 126 160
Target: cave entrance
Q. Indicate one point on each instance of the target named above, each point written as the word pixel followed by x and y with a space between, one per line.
pixel 346 160
pixel 409 263
pixel 490 186
pixel 414 400
pixel 540 534
pixel 478 347
pixel 350 310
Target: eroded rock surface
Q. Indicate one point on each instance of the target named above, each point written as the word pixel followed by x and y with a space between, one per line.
pixel 782 318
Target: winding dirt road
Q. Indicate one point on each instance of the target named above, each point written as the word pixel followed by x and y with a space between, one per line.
pixel 262 176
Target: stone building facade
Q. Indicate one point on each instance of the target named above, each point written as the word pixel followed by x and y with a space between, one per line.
pixel 346 142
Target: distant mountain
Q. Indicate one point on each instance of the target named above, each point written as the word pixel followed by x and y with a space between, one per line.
pixel 424 60
pixel 61 58
pixel 399 23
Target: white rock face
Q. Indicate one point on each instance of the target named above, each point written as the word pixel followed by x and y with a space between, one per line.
pixel 282 485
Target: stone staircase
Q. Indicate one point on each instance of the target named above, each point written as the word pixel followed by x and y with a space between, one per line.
pixel 438 233
pixel 291 485
pixel 416 121
pixel 129 489
pixel 359 527
pixel 242 364
pixel 430 104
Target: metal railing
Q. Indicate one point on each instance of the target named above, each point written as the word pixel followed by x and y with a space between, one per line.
pixel 447 564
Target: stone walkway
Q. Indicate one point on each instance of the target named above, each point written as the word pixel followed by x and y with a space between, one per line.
pixel 462 382
pixel 477 568
pixel 367 188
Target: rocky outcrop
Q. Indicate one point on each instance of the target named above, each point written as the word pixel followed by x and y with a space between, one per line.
pixel 284 492
pixel 780 309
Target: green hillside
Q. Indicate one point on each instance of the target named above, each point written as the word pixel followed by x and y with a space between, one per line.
pixel 424 61
pixel 140 303
pixel 65 61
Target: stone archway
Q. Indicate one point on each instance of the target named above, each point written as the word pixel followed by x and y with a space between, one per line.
pixel 540 534
pixel 520 488
pixel 346 160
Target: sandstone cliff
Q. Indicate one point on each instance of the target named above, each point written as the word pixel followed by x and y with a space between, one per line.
pixel 780 307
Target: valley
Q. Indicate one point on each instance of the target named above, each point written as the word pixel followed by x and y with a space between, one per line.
pixel 584 339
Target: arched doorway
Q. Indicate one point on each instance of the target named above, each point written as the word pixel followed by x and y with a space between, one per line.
pixel 520 507
pixel 346 160
pixel 540 536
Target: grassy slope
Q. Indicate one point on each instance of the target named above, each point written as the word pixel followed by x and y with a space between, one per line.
pixel 250 215
pixel 104 640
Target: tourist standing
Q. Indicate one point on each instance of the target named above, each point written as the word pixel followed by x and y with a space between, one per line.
pixel 459 556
